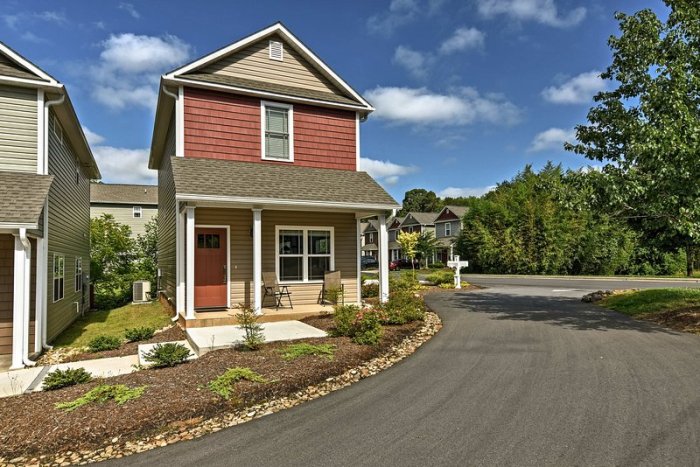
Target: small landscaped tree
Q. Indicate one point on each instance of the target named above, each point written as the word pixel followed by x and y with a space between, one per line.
pixel 426 246
pixel 111 261
pixel 409 245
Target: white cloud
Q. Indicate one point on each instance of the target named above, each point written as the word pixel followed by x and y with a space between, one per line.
pixel 400 12
pixel 417 63
pixel 129 8
pixel 577 90
pixel 130 66
pixel 31 37
pixel 52 17
pixel 552 139
pixel 540 11
pixel 462 106
pixel 122 165
pixel 92 137
pixel 453 192
pixel 463 39
pixel 385 171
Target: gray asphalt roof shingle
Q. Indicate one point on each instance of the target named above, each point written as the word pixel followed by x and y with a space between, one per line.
pixel 271 87
pixel 22 197
pixel 424 218
pixel 123 194
pixel 268 181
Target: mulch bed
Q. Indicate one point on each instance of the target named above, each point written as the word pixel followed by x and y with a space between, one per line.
pixel 684 319
pixel 175 397
pixel 173 333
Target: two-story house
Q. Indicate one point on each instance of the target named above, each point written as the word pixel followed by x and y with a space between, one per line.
pixel 420 222
pixel 370 240
pixel 257 147
pixel 132 205
pixel 393 228
pixel 45 172
pixel 448 225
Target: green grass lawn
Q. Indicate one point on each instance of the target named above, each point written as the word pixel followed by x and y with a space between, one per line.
pixel 642 302
pixel 112 323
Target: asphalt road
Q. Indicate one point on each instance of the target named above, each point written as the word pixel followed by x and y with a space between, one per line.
pixel 517 376
pixel 578 283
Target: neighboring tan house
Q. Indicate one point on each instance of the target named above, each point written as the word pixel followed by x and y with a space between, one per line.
pixel 393 228
pixel 132 205
pixel 370 239
pixel 420 222
pixel 448 225
pixel 257 147
pixel 45 172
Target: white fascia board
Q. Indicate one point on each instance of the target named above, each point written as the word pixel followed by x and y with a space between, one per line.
pixel 30 83
pixel 287 202
pixel 275 28
pixel 26 63
pixel 263 94
pixel 16 226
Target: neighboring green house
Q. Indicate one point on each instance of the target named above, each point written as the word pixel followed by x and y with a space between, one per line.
pixel 132 205
pixel 448 226
pixel 45 170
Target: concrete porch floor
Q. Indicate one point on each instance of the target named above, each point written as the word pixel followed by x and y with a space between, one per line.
pixel 228 317
pixel 206 339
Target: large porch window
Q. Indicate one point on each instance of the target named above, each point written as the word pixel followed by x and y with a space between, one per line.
pixel 304 254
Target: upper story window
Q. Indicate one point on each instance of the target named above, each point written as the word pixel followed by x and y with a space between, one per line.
pixel 56 127
pixel 277 131
pixel 371 237
pixel 448 229
pixel 137 211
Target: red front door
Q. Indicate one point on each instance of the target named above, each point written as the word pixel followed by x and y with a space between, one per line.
pixel 210 275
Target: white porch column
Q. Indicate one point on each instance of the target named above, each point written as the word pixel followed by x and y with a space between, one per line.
pixel 40 299
pixel 189 273
pixel 359 258
pixel 257 261
pixel 383 260
pixel 20 300
pixel 180 254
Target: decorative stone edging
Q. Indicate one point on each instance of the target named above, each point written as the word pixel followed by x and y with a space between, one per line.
pixel 194 428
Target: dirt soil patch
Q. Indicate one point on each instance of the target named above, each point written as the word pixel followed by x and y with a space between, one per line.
pixel 684 319
pixel 31 426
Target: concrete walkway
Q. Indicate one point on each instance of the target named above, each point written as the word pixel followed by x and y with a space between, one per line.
pixel 210 338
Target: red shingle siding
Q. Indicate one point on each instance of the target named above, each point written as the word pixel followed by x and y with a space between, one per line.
pixel 446 216
pixel 226 126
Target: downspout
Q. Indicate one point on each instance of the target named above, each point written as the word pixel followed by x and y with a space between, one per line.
pixel 45 277
pixel 25 290
pixel 177 219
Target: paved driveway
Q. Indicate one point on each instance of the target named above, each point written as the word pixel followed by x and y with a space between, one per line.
pixel 517 376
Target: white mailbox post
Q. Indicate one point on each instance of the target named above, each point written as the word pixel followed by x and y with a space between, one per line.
pixel 457 265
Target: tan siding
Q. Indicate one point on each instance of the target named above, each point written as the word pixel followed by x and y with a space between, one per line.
pixel 69 230
pixel 166 217
pixel 254 63
pixel 18 129
pixel 124 214
pixel 241 244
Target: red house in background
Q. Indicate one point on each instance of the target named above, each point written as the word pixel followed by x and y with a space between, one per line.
pixel 257 147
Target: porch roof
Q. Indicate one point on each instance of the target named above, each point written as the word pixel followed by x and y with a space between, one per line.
pixel 277 184
pixel 22 197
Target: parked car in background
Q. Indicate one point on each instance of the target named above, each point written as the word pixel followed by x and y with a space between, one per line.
pixel 367 262
pixel 403 264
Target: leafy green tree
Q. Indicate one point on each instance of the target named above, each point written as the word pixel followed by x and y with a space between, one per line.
pixel 111 261
pixel 426 246
pixel 409 245
pixel 647 128
pixel 146 251
pixel 420 200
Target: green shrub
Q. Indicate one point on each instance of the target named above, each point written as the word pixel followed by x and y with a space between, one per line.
pixel 403 307
pixel 405 281
pixel 441 277
pixel 168 354
pixel 63 378
pixel 248 321
pixel 139 334
pixel 302 349
pixel 120 393
pixel 370 290
pixel 222 385
pixel 104 342
pixel 437 265
pixel 367 328
pixel 343 318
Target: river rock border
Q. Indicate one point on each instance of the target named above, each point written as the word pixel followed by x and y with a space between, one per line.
pixel 194 428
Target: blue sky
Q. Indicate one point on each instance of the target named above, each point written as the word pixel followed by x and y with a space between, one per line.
pixel 467 92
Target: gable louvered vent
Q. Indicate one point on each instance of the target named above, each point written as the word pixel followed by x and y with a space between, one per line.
pixel 276 50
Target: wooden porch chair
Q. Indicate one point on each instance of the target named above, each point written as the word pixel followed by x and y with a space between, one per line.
pixel 275 290
pixel 333 290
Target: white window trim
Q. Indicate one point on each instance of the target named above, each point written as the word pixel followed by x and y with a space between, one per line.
pixel 78 273
pixel 448 229
pixel 290 129
pixel 54 277
pixel 305 254
pixel 136 209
